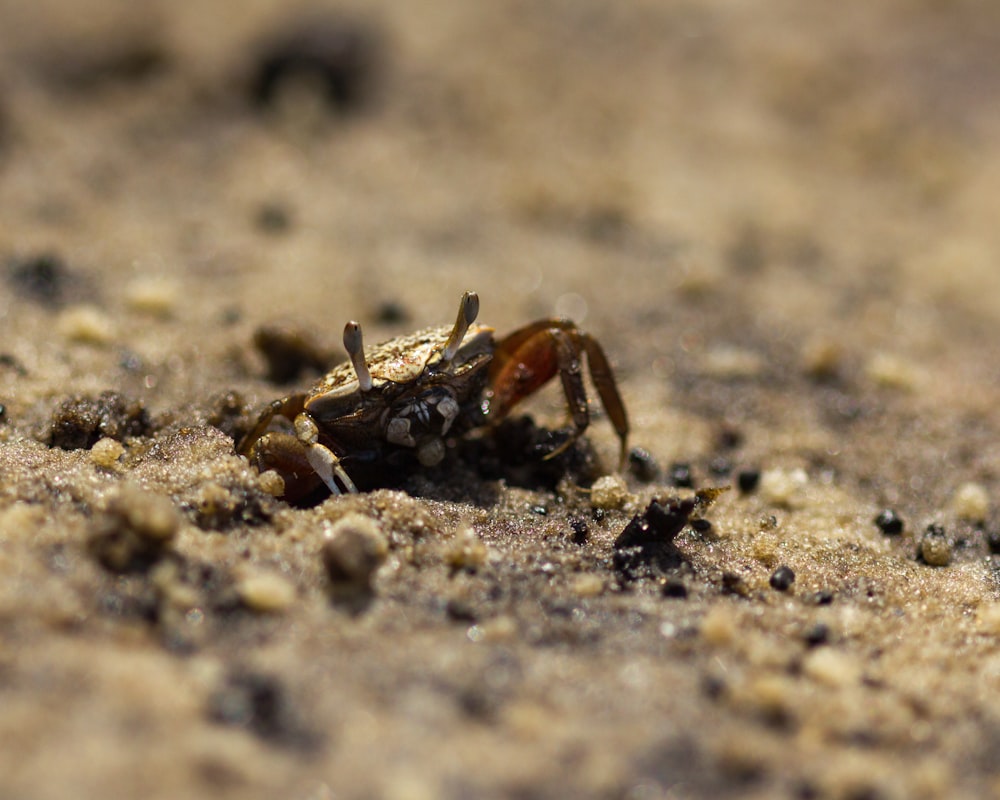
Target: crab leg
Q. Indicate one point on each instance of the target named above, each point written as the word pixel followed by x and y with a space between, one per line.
pixel 288 407
pixel 604 381
pixel 531 356
pixel 321 458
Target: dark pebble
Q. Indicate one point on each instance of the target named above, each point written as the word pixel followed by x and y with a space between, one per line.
pixel 729 439
pixel 674 587
pixel 720 466
pixel 823 597
pixel 889 522
pixel 642 465
pixel 580 531
pixel 701 525
pixel 3 413
pixel 782 578
pixel 818 634
pixel 460 610
pixel 748 480
pixel 993 541
pixel 680 475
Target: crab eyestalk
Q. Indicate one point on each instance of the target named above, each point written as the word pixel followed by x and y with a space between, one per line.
pixel 355 347
pixel 468 310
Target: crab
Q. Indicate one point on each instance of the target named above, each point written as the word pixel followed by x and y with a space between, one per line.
pixel 405 397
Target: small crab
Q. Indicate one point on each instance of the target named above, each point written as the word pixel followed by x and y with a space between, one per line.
pixel 405 396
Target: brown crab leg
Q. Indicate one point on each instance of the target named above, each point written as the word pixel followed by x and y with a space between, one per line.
pixel 529 357
pixel 288 407
pixel 604 381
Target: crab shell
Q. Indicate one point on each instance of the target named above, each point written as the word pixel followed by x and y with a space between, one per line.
pixel 414 399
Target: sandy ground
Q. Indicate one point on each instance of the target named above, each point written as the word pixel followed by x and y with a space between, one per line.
pixel 778 218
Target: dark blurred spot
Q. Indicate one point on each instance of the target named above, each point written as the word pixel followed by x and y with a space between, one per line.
pixel 291 351
pixel 273 218
pixel 260 704
pixel 44 278
pixel 338 56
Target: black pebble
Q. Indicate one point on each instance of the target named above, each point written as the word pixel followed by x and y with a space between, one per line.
pixel 748 480
pixel 642 465
pixel 580 531
pixel 818 634
pixel 674 587
pixel 823 597
pixel 680 475
pixel 782 578
pixel 993 541
pixel 701 525
pixel 889 522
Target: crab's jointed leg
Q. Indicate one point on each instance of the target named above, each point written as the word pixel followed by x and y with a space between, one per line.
pixel 321 458
pixel 528 358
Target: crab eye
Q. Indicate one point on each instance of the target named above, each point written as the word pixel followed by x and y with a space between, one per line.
pixel 468 310
pixel 354 344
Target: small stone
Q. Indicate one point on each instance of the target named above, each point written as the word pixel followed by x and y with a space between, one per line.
pixel 971 502
pixel 719 626
pixel 674 588
pixel 642 465
pixel 748 480
pixel 893 372
pixel 821 358
pixel 86 324
pixel 818 634
pixel 935 547
pixel 580 531
pixel 680 475
pixel 889 522
pixel 266 592
pixel 831 667
pixel 728 362
pixel 588 585
pixel 783 487
pixel 609 491
pixel 354 549
pixel 106 452
pixel 467 551
pixel 823 597
pixel 271 482
pixel 782 578
pixel 156 296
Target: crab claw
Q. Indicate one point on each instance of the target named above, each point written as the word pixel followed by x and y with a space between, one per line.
pixel 355 347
